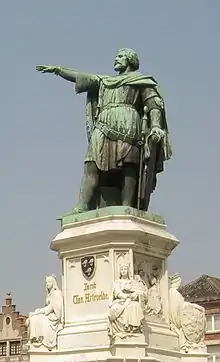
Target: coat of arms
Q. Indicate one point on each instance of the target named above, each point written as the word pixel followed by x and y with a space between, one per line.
pixel 88 266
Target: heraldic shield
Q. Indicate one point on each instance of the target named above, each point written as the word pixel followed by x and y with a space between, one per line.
pixel 193 323
pixel 88 266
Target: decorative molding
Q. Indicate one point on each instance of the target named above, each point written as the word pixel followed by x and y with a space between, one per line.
pixel 106 258
pixel 72 262
pixel 121 254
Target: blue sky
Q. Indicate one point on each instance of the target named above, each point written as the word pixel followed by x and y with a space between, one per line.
pixel 42 136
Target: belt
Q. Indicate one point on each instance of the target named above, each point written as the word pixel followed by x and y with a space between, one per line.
pixel 115 105
pixel 116 135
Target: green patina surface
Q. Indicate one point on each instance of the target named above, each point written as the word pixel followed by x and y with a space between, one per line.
pixel 127 130
pixel 70 217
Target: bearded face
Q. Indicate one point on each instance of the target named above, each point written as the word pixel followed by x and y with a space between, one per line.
pixel 121 62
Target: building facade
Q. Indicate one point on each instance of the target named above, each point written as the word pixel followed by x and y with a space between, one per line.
pixel 13 333
pixel 205 291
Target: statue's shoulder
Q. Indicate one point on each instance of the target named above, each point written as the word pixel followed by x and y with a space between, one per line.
pixel 152 79
pixel 144 79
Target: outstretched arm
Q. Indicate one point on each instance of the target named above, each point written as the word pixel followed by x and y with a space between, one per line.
pixel 66 73
pixel 84 81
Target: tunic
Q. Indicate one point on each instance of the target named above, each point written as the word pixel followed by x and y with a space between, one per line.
pixel 117 122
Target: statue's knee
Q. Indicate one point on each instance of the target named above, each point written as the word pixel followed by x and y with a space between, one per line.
pixel 91 168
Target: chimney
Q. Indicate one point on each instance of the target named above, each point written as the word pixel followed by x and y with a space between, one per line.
pixel 8 308
pixel 8 300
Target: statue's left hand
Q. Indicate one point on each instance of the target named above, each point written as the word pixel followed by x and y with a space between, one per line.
pixel 157 134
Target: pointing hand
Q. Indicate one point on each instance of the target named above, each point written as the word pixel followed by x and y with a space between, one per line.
pixel 47 68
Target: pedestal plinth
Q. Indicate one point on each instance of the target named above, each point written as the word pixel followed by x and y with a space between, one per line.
pixel 107 238
pixel 92 246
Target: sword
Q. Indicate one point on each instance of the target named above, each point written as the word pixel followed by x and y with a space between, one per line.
pixel 142 152
pixel 150 170
pixel 149 144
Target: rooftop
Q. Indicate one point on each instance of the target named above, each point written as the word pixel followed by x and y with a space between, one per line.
pixel 204 289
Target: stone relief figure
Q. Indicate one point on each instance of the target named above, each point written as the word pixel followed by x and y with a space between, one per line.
pixel 186 319
pixel 45 323
pixel 143 289
pixel 154 302
pixel 141 276
pixel 125 310
pixel 128 138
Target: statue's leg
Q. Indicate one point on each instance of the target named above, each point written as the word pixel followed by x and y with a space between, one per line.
pixel 129 184
pixel 88 187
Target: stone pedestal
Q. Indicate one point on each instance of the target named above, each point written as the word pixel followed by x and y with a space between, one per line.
pixel 91 247
pixel 133 347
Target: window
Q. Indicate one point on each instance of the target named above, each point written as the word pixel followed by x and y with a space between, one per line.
pixel 214 358
pixel 213 323
pixel 15 348
pixel 209 322
pixel 217 323
pixel 8 321
pixel 3 349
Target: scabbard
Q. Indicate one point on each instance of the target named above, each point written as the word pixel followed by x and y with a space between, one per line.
pixel 149 174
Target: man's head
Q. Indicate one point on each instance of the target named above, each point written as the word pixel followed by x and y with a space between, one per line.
pixel 126 60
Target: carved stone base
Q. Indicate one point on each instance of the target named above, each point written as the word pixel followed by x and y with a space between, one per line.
pixel 92 246
pixel 165 355
pixel 160 335
pixel 195 357
pixel 132 359
pixel 84 335
pixel 130 347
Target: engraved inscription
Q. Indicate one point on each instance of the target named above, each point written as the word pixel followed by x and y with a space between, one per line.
pixel 90 295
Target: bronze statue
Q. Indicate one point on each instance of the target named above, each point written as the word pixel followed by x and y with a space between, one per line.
pixel 128 138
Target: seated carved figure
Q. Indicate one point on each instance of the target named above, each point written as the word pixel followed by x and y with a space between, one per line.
pixel 186 319
pixel 126 311
pixel 44 324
